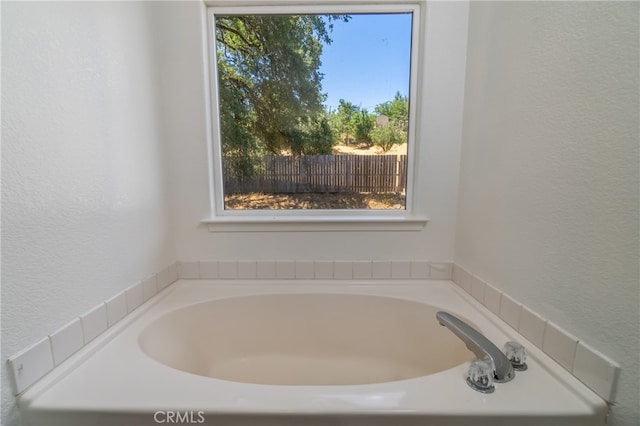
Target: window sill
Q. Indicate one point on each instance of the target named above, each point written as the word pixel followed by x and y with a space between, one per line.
pixel 314 224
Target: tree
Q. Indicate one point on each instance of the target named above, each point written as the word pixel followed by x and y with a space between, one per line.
pixel 397 110
pixel 342 121
pixel 386 137
pixel 363 124
pixel 269 84
pixel 350 123
pixel 315 138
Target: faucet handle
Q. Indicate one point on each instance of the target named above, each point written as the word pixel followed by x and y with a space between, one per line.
pixel 517 354
pixel 480 376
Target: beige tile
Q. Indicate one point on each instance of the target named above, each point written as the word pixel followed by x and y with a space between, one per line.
pixel 323 269
pixel 173 273
pixel 510 311
pixel 285 269
pixel 440 271
pixel 116 308
pixel 28 366
pixel 342 270
pixel 420 270
pixel 94 322
pixel 247 270
pixel 380 269
pixel 465 280
pixel 596 371
pixel 304 269
pixel 66 340
pixel 362 270
pixel 162 279
pixel 559 345
pixel 209 270
pixel 478 288
pixel 149 288
pixel 189 270
pixel 134 296
pixel 456 270
pixel 532 326
pixel 400 269
pixel 227 269
pixel 492 299
pixel 266 269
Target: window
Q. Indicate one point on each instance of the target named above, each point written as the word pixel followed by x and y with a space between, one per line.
pixel 313 111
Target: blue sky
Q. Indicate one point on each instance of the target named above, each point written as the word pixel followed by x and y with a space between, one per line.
pixel 368 61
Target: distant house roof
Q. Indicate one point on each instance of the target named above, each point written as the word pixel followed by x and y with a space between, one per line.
pixel 382 121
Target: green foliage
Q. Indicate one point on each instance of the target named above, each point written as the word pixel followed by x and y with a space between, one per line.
pixel 314 138
pixel 397 110
pixel 321 139
pixel 270 93
pixel 269 84
pixel 388 136
pixel 363 124
pixel 341 121
pixel 350 123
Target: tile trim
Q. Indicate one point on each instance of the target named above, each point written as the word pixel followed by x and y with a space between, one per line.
pixel 130 298
pixel 318 269
pixel 39 359
pixel 604 385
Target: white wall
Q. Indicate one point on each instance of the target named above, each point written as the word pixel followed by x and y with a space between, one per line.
pixel 84 212
pixel 548 201
pixel 439 149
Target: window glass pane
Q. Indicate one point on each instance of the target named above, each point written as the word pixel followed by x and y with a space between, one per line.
pixel 314 110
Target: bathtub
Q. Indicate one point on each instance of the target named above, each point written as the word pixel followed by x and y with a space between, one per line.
pixel 301 353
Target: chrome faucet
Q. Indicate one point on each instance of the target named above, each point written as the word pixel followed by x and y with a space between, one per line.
pixel 480 346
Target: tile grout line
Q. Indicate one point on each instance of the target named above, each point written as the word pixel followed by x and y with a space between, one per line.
pixel 452 271
pixel 16 365
pixel 459 273
pixel 179 271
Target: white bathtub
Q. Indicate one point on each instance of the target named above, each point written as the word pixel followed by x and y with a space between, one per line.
pixel 301 353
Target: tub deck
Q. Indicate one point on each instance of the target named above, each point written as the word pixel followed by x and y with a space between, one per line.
pixel 111 381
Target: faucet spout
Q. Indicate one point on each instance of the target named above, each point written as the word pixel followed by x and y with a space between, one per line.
pixel 479 345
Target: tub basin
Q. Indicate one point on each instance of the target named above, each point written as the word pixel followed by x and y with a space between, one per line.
pixel 237 353
pixel 304 339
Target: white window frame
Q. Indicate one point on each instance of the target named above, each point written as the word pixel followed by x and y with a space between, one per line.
pixel 315 219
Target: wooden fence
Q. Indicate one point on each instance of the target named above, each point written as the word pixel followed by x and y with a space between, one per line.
pixel 321 173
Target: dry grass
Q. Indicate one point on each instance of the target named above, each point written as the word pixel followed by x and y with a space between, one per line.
pixel 371 201
pixel 362 149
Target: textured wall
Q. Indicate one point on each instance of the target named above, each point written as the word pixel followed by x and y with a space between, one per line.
pixel 83 199
pixel 439 152
pixel 548 204
pixel 548 201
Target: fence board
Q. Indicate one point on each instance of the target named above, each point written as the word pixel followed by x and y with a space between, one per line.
pixel 320 173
